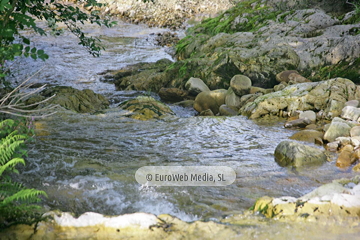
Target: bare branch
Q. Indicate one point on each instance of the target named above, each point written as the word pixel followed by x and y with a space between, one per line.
pixel 13 102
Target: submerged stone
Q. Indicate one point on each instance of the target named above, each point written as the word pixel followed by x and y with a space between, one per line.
pixel 289 153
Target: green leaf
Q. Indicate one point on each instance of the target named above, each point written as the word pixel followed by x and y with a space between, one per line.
pixel 26 40
pixel 4 4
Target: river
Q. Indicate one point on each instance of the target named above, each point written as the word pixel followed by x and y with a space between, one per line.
pixel 88 162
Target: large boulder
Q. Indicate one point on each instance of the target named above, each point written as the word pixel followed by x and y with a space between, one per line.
pixel 289 153
pixel 81 101
pixel 142 76
pixel 329 95
pixel 210 100
pixel 146 108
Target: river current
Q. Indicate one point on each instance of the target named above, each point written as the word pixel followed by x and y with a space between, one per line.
pixel 88 162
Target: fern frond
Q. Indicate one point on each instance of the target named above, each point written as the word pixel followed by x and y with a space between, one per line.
pixel 8 188
pixel 9 145
pixel 10 164
pixel 25 195
pixel 8 122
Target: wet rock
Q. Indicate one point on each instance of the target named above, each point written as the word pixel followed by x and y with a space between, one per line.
pixel 337 128
pixel 329 96
pixel 301 123
pixel 284 75
pixel 295 154
pixel 241 85
pixel 311 115
pixel 81 101
pixel 351 113
pixel 210 100
pixel 232 100
pixel 172 94
pixel 227 111
pixel 196 86
pixel 307 135
pixel 146 108
pixel 344 159
pixel 143 76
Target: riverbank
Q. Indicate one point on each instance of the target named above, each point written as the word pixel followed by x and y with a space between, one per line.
pixel 173 14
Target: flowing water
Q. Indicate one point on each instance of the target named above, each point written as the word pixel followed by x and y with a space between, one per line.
pixel 88 162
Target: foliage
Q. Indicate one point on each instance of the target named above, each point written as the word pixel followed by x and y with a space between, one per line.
pixel 14 197
pixel 355 18
pixel 17 15
pixel 344 69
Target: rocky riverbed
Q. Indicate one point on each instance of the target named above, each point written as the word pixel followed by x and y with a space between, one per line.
pixel 265 60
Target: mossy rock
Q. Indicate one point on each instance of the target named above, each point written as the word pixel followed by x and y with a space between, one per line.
pixel 81 101
pixel 146 108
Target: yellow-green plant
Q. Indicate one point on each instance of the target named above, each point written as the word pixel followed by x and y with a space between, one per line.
pixel 15 199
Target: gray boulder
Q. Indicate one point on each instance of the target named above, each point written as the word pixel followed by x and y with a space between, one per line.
pixel 232 100
pixel 196 86
pixel 337 128
pixel 311 115
pixel 295 154
pixel 240 84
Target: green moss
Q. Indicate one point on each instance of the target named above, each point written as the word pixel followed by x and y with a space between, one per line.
pixel 181 45
pixel 250 14
pixel 342 69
